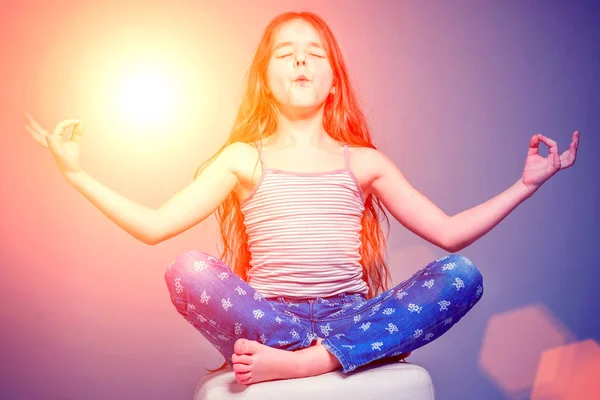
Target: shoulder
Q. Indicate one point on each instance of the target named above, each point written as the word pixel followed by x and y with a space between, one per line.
pixel 235 152
pixel 242 158
pixel 372 161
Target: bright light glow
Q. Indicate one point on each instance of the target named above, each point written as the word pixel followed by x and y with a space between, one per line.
pixel 147 97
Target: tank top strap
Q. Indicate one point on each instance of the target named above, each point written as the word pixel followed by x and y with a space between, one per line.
pixel 346 157
pixel 258 146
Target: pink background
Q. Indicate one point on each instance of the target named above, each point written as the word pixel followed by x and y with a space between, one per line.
pixel 453 92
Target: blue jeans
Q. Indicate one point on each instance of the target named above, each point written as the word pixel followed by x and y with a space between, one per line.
pixel 355 330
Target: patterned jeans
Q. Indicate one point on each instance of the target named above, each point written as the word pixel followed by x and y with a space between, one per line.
pixel 357 331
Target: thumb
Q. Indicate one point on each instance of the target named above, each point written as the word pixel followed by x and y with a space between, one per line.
pixel 50 142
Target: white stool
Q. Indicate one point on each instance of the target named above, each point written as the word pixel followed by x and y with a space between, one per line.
pixel 396 380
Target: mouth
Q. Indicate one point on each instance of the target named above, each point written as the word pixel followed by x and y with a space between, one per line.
pixel 302 78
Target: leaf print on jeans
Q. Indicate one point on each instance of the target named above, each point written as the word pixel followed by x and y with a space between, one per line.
pixel 325 329
pixel 376 346
pixel 449 266
pixel 391 328
pixel 223 275
pixel 375 308
pixel 240 290
pixel 238 329
pixel 428 284
pixel 458 283
pixel 400 295
pixel 226 304
pixel 444 305
pixel 414 308
pixel 200 266
pixel 178 285
pixel 204 297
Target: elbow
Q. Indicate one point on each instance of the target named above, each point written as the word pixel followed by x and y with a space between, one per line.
pixel 449 248
pixel 452 249
pixel 152 241
pixel 451 245
pixel 447 240
pixel 155 234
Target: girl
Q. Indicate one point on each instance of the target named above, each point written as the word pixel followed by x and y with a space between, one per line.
pixel 299 190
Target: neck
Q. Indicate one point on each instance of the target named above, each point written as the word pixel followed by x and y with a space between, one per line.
pixel 301 130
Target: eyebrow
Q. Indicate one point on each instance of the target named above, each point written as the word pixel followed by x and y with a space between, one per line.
pixel 283 44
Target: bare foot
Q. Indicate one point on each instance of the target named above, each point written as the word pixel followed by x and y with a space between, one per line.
pixel 254 362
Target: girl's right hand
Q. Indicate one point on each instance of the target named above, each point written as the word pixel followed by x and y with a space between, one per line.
pixel 65 154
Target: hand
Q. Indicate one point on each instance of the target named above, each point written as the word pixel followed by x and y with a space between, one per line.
pixel 539 169
pixel 65 154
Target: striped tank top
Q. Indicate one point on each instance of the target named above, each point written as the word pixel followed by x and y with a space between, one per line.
pixel 304 232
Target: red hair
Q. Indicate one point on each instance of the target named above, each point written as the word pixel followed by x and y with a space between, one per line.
pixel 343 120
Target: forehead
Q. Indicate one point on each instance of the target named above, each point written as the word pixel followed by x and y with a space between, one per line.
pixel 296 30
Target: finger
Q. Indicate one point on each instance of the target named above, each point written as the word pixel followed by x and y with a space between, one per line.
pixel 552 147
pixel 38 137
pixel 568 156
pixel 572 152
pixel 33 133
pixel 53 145
pixel 534 145
pixel 60 128
pixel 78 129
pixel 34 124
pixel 49 143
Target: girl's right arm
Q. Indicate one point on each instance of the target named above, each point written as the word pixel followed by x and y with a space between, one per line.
pixel 185 209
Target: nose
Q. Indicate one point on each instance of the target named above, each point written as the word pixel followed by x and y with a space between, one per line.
pixel 300 63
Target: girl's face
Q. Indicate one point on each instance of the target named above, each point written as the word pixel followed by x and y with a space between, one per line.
pixel 298 50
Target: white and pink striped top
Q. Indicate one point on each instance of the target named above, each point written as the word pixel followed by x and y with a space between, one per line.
pixel 304 232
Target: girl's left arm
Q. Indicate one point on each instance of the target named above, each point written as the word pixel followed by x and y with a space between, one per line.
pixel 466 227
pixel 453 233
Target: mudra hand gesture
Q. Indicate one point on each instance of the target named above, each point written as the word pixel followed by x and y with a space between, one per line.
pixel 539 169
pixel 65 153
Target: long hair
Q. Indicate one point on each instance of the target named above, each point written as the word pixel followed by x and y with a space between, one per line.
pixel 343 121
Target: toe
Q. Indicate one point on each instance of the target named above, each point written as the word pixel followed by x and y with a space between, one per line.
pixel 237 367
pixel 245 346
pixel 241 358
pixel 242 377
pixel 240 346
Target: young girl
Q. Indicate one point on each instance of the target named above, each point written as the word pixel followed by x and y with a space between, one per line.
pixel 298 189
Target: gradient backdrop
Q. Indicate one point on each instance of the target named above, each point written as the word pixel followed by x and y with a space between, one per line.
pixel 453 92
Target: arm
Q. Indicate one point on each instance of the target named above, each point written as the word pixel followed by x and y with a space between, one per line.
pixel 407 205
pixel 466 227
pixel 187 208
pixel 201 198
pixel 421 216
pixel 137 220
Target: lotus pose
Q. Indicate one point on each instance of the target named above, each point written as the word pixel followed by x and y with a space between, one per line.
pixel 301 287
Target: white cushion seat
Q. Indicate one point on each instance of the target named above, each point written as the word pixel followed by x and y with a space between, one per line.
pixel 394 380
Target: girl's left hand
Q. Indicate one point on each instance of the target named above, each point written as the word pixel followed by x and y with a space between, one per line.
pixel 539 169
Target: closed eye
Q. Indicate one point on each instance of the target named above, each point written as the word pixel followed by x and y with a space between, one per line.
pixel 287 55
